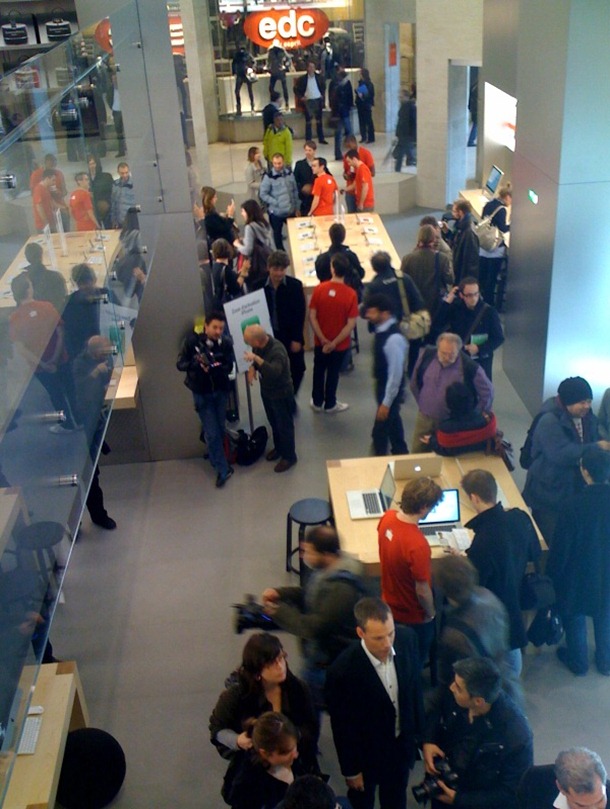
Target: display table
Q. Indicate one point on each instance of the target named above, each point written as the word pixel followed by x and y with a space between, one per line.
pixel 359 537
pixel 308 237
pixel 478 200
pixel 34 779
pixel 81 248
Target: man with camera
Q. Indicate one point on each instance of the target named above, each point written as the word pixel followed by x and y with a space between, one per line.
pixel 207 360
pixel 322 612
pixel 486 742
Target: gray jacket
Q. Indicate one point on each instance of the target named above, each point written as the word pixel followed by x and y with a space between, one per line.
pixel 279 192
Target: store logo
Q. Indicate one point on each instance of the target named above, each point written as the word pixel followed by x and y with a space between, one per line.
pixel 295 28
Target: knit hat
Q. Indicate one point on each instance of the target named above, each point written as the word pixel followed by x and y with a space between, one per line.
pixel 574 389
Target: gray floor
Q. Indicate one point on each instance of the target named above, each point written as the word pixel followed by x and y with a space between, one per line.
pixel 148 607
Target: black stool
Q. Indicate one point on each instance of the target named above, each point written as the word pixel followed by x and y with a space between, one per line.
pixel 308 512
pixel 93 770
pixel 39 538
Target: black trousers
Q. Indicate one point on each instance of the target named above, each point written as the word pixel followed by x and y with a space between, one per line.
pixel 391 778
pixel 326 368
pixel 239 82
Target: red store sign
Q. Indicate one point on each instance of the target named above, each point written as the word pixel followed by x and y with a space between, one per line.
pixel 294 28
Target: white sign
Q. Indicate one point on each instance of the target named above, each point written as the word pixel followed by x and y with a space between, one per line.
pixel 251 310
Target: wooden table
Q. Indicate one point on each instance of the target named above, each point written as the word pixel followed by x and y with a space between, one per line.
pixel 308 237
pixel 34 779
pixel 81 247
pixel 359 537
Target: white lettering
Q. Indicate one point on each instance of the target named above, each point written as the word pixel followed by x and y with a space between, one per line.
pixel 306 25
pixel 287 26
pixel 267 28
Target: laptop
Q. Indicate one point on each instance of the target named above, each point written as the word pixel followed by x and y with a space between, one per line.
pixel 424 465
pixel 370 503
pixel 445 516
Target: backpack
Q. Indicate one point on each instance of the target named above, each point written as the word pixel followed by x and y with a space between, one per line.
pixel 248 448
pixel 525 453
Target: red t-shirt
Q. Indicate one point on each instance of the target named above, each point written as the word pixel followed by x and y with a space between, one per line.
pixel 363 175
pixel 34 325
pixel 405 559
pixel 324 187
pixel 42 196
pixel 366 157
pixel 80 204
pixel 335 303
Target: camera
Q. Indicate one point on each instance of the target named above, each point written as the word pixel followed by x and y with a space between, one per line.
pixel 251 615
pixel 429 787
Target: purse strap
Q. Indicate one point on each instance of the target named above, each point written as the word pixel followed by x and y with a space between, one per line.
pixel 406 312
pixel 475 323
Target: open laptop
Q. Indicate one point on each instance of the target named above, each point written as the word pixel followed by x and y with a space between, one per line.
pixel 369 503
pixel 423 465
pixel 445 516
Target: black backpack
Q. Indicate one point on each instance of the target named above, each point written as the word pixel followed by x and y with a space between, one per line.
pixel 249 448
pixel 526 458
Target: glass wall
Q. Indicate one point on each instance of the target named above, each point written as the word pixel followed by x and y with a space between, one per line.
pixel 73 268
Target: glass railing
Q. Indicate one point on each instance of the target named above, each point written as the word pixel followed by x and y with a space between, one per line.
pixel 75 253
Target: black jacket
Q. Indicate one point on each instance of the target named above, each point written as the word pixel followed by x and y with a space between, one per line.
pixel 386 282
pixel 323 265
pixel 300 85
pixel 361 713
pixel 504 542
pixel 303 175
pixel 465 247
pixel 489 756
pixel 290 304
pixel 579 555
pixel 456 317
pixel 219 356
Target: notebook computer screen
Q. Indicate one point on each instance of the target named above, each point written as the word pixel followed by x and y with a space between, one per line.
pixel 446 512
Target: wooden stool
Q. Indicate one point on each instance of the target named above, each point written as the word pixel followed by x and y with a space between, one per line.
pixel 308 512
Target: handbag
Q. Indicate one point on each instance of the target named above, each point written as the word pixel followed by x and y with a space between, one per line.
pixel 251 75
pixel 537 592
pixel 414 325
pixel 546 627
pixel 490 237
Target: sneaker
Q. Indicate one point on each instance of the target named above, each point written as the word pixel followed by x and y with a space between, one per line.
pixel 562 656
pixel 338 408
pixel 222 479
pixel 315 407
pixel 283 465
pixel 105 522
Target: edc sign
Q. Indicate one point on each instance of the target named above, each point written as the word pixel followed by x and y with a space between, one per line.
pixel 294 28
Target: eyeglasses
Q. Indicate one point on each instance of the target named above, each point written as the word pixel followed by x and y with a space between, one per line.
pixel 470 294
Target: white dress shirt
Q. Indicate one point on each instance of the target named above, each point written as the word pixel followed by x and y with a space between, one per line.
pixel 387 674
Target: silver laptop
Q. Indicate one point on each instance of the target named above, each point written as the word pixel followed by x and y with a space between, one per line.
pixel 369 503
pixel 445 516
pixel 423 465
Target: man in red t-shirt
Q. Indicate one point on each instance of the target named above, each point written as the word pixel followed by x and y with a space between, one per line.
pixel 43 205
pixel 81 204
pixel 367 158
pixel 323 190
pixel 404 553
pixel 362 186
pixel 333 312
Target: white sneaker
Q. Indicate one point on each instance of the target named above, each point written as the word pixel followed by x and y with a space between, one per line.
pixel 338 408
pixel 314 407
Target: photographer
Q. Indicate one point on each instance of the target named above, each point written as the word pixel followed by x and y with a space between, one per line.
pixel 207 360
pixel 486 741
pixel 322 612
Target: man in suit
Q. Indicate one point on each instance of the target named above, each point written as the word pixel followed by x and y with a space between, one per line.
pixel 578 779
pixel 374 698
pixel 286 303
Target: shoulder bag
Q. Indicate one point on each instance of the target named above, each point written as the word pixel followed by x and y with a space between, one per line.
pixel 414 325
pixel 490 237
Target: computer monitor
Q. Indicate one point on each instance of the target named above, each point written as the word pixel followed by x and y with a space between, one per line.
pixel 492 180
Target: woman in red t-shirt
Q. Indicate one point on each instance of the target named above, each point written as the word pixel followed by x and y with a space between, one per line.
pixel 406 581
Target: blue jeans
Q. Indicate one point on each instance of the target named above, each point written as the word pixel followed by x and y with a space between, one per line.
pixel 390 431
pixel 211 409
pixel 576 640
pixel 344 127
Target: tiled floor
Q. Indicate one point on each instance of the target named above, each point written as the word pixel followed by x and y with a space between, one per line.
pixel 148 607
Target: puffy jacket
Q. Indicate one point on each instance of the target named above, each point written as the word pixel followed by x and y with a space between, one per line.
pixel 279 192
pixel 278 141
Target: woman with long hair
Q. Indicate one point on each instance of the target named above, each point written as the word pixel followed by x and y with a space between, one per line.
pixel 255 170
pixel 263 682
pixel 217 226
pixel 262 777
pixel 256 245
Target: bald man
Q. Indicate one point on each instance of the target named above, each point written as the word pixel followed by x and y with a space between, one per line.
pixel 270 361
